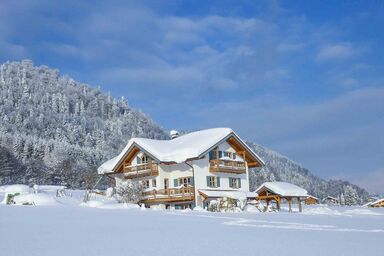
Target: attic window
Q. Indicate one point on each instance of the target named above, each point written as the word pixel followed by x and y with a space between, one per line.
pixel 144 159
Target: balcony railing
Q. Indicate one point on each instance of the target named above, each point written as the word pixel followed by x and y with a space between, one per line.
pixel 227 166
pixel 141 170
pixel 170 194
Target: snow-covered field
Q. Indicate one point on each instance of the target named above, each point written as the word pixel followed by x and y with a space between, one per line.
pixel 104 228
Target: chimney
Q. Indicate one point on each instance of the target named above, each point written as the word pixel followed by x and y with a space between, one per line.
pixel 174 134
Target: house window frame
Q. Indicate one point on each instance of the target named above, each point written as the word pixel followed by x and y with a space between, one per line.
pixel 186 181
pixel 146 184
pixel 213 182
pixel 234 183
pixel 144 159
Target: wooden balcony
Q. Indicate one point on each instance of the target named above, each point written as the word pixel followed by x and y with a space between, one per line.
pixel 141 170
pixel 227 166
pixel 169 195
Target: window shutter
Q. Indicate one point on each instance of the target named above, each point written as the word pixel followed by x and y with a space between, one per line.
pixel 207 181
pixel 175 183
pixel 230 182
pixel 234 156
pixel 220 154
pixel 138 160
pixel 211 155
pixel 192 183
pixel 218 181
pixel 239 182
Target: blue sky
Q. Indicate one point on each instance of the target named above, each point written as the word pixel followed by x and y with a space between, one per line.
pixel 305 78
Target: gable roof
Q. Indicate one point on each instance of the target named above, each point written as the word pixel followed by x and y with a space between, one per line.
pixel 283 189
pixel 186 147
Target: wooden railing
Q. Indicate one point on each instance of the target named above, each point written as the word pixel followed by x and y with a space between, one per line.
pixel 141 170
pixel 170 194
pixel 227 166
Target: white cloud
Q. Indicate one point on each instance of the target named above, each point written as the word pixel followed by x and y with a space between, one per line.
pixel 336 52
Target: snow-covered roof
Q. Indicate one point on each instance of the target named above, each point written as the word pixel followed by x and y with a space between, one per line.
pixel 235 194
pixel 310 196
pixel 330 197
pixel 373 203
pixel 283 189
pixel 178 150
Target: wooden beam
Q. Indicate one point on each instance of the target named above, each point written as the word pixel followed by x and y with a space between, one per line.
pixel 299 202
pixel 289 204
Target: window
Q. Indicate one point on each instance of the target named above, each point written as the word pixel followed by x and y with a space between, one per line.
pixel 146 184
pixel 234 182
pixel 154 183
pixel 212 155
pixel 213 182
pixel 183 181
pixel 144 159
pixel 227 154
pixel 166 183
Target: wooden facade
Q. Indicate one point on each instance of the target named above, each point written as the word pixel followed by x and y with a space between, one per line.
pixel 169 195
pixel 227 166
pixel 141 170
pixel 310 200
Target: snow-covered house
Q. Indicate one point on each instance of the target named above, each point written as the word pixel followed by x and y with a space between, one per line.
pixel 330 200
pixel 187 170
pixel 278 191
pixel 377 203
pixel 311 200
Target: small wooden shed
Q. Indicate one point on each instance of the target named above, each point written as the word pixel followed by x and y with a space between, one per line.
pixel 276 191
pixel 311 200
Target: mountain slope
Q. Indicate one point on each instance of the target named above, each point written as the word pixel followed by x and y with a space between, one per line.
pixel 58 131
pixel 281 168
pixel 60 128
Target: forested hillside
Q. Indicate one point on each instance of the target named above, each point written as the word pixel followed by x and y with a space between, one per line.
pixel 281 168
pixel 56 130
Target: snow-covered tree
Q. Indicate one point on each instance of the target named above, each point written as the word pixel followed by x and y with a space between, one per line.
pixel 350 195
pixel 62 124
pixel 129 191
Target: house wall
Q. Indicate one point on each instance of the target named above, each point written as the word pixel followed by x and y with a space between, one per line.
pixel 201 167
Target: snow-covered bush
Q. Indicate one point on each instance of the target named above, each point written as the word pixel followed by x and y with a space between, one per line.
pixel 224 204
pixel 129 191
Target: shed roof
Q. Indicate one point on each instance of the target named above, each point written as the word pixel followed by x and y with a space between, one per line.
pixel 283 189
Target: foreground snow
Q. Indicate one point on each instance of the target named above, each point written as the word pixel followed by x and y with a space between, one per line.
pixel 102 227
